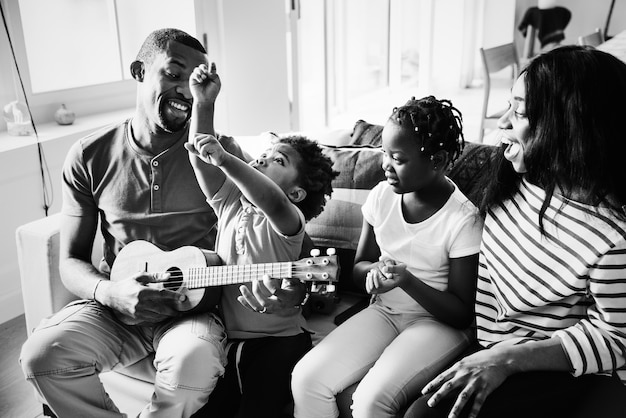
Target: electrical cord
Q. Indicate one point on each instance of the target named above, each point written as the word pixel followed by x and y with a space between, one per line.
pixel 46 184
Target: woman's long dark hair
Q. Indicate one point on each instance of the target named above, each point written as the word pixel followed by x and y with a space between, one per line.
pixel 576 109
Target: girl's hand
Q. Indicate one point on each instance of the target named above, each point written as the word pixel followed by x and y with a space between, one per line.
pixel 384 276
pixel 207 148
pixel 473 377
pixel 204 83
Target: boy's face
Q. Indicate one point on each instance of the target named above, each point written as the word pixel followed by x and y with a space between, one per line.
pixel 280 163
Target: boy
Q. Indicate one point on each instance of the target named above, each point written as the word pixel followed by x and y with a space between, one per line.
pixel 262 208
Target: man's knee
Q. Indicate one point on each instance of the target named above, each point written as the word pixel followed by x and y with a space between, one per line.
pixel 41 355
pixel 196 366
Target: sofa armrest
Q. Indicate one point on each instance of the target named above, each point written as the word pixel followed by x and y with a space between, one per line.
pixel 43 291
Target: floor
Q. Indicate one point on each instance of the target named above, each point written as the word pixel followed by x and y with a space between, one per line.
pixel 17 399
pixel 16 396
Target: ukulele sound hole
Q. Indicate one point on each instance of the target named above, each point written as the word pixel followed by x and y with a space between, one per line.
pixel 175 280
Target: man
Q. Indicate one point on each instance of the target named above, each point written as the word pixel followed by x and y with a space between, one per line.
pixel 137 178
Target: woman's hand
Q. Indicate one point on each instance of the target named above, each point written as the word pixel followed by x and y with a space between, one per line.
pixel 384 276
pixel 474 378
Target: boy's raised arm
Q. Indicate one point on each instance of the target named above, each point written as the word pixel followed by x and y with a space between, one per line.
pixel 205 85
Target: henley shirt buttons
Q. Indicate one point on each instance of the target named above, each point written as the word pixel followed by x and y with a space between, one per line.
pixel 155 163
pixel 156 187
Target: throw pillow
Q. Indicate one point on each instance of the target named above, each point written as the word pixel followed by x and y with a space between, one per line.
pixel 470 169
pixel 366 134
pixel 339 225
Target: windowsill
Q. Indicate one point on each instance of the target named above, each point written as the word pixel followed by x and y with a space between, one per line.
pixel 83 125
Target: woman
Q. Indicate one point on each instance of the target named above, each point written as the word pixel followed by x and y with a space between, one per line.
pixel 551 298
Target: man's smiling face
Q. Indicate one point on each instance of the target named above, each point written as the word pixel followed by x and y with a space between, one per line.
pixel 166 98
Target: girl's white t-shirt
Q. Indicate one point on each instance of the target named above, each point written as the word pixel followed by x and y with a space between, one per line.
pixel 426 247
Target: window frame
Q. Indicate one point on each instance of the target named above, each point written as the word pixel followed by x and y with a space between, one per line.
pixel 86 100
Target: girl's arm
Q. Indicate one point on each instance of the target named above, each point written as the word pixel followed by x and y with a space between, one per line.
pixel 454 306
pixel 367 255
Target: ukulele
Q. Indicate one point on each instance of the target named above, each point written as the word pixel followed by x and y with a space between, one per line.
pixel 193 270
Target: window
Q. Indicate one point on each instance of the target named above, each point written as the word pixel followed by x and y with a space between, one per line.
pixel 352 51
pixel 79 52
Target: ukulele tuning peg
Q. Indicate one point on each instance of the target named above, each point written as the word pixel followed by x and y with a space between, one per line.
pixel 331 251
pixel 315 252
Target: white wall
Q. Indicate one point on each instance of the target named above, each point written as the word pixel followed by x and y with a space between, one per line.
pixel 248 42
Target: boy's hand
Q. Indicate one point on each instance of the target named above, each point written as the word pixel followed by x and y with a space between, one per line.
pixel 207 148
pixel 205 84
pixel 268 296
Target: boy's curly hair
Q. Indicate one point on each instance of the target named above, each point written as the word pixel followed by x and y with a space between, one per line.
pixel 316 174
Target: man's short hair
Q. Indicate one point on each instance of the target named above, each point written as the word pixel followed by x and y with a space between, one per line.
pixel 157 42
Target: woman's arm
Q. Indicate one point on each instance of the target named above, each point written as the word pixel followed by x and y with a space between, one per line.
pixel 476 376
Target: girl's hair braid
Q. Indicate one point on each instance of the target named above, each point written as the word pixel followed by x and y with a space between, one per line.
pixel 436 124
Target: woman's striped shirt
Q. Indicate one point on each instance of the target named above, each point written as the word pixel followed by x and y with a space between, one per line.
pixel 569 283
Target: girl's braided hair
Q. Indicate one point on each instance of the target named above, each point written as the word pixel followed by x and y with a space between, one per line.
pixel 436 124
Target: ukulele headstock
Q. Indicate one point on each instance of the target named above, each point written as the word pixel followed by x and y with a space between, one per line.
pixel 317 268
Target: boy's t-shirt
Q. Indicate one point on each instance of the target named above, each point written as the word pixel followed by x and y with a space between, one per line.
pixel 426 247
pixel 245 236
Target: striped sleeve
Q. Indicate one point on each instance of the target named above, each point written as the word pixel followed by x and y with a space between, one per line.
pixel 598 342
pixel 568 282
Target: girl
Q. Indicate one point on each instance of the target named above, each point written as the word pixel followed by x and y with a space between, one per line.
pixel 417 256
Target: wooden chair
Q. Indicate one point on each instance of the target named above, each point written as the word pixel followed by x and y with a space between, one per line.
pixel 594 38
pixel 495 60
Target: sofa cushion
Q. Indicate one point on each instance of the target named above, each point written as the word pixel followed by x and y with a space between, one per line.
pixel 366 134
pixel 470 169
pixel 339 225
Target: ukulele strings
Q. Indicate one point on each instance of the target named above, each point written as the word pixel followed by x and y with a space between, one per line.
pixel 221 275
pixel 242 273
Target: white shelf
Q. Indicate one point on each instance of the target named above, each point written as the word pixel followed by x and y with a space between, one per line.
pixel 51 131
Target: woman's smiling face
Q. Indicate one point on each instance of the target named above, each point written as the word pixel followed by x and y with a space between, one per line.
pixel 514 126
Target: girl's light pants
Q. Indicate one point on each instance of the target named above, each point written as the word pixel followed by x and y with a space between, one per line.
pixel 393 355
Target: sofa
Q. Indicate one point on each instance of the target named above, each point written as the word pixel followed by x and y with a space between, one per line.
pixel 356 155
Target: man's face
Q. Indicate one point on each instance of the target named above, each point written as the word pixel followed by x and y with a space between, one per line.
pixel 165 95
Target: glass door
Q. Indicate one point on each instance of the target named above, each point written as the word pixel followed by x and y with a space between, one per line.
pixel 351 52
